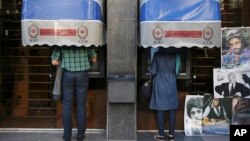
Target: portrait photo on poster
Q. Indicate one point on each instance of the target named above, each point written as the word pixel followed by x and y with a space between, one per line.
pixel 193 115
pixel 216 117
pixel 229 83
pixel 235 50
pixel 240 111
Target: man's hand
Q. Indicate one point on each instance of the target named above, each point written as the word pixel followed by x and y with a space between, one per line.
pixel 238 94
pixel 55 62
pixel 94 59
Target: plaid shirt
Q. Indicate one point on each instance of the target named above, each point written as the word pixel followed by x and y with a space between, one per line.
pixel 73 58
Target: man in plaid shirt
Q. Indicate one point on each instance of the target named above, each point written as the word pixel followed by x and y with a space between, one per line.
pixel 75 63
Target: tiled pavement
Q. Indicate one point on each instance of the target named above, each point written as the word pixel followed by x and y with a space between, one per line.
pixel 91 135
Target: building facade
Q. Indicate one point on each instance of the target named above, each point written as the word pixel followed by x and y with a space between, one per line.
pixel 26 74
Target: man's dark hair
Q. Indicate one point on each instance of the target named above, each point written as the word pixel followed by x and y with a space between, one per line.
pixel 236 33
pixel 194 102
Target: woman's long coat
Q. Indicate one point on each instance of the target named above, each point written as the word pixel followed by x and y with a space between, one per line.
pixel 164 92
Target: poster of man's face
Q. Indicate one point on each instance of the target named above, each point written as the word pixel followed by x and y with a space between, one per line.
pixel 193 115
pixel 235 51
pixel 240 111
pixel 229 83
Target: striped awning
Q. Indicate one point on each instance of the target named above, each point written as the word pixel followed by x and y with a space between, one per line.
pixel 62 22
pixel 180 23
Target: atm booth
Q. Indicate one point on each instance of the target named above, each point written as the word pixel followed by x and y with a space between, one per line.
pixel 73 23
pixel 170 24
pixel 197 23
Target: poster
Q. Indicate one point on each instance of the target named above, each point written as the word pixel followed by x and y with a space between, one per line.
pixel 216 116
pixel 235 50
pixel 193 115
pixel 231 83
pixel 240 111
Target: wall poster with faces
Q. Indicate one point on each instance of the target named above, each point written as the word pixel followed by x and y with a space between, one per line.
pixel 235 50
pixel 207 115
pixel 193 115
pixel 216 117
pixel 229 83
pixel 240 111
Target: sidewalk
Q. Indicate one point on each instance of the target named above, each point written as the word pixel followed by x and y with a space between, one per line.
pixel 91 135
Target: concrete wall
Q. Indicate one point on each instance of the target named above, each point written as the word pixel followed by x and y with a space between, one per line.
pixel 121 69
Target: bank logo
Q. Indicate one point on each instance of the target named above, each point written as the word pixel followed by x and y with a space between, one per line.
pixel 33 31
pixel 207 33
pixel 82 32
pixel 158 33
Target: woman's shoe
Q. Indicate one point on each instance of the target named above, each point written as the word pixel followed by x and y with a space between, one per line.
pixel 170 138
pixel 160 138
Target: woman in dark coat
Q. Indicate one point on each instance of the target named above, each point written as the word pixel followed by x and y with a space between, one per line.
pixel 164 68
